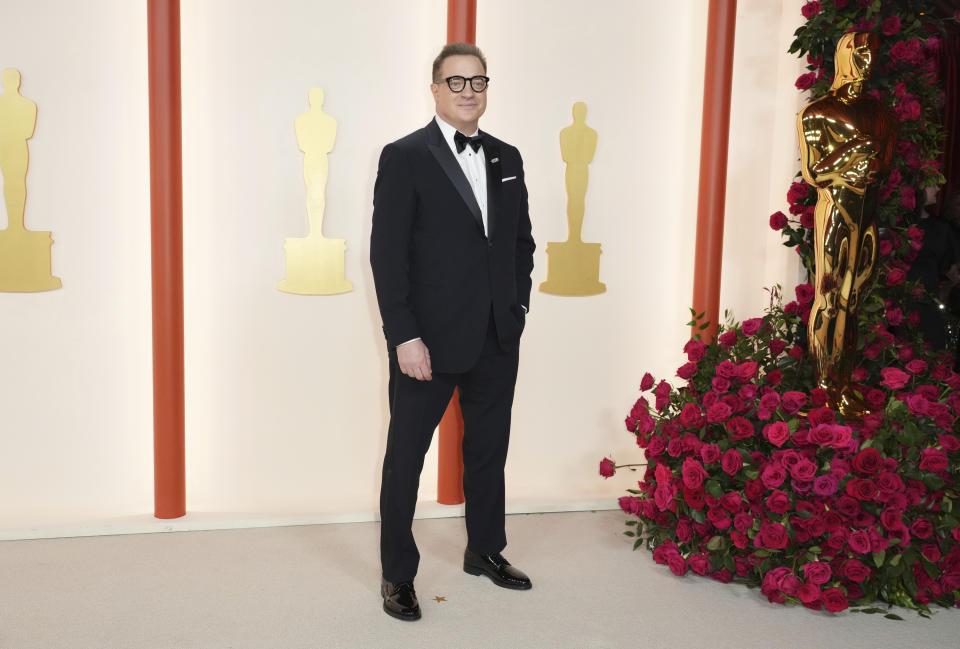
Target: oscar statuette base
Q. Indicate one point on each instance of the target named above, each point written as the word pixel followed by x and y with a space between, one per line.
pixel 315 266
pixel 25 262
pixel 573 268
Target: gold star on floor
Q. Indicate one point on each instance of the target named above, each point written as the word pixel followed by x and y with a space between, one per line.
pixel 440 599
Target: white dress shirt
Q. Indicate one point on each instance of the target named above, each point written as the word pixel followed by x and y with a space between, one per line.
pixel 474 165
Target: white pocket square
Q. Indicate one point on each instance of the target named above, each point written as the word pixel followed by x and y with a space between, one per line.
pixel 508 178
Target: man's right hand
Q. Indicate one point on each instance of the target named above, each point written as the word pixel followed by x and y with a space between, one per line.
pixel 414 360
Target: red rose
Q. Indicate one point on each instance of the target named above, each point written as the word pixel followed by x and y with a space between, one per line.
pixel 891 26
pixel 694 349
pixel 896 276
pixel 810 9
pixel 933 459
pixel 806 218
pixel 732 501
pixel 859 541
pixel 861 489
pixel 798 191
pixel 693 473
pixel 699 563
pixel 791 402
pixel 808 593
pixel 677 565
pixel 777 346
pixel 804 293
pixel 931 552
pixel 868 461
pixel 777 433
pixel 731 462
pixel 709 453
pixel 606 467
pixel 922 528
pixel 855 570
pixel 778 220
pixel 804 470
pixel 773 476
pixel 687 370
pixel 747 370
pixel 772 536
pixel 690 416
pixel 805 81
pixel 774 377
pixel 894 316
pixel 727 338
pixel 891 519
pixel 646 382
pixel 739 428
pixel 917 366
pixel 817 572
pixel 778 502
pixel 893 378
pixel 743 521
pixel 834 600
pixel 718 412
pixel 751 327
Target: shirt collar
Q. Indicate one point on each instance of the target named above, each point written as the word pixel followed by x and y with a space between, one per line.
pixel 448 132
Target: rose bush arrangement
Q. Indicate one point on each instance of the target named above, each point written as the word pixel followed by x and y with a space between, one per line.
pixel 749 476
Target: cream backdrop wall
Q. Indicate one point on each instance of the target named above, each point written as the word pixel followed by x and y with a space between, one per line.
pixel 286 407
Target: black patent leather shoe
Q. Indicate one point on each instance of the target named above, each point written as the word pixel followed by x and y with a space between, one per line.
pixel 496 568
pixel 400 600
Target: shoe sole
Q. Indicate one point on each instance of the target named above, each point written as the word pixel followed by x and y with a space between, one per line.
pixel 405 618
pixel 472 570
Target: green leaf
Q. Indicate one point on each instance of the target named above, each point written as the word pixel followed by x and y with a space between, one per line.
pixel 878 557
pixel 892 616
pixel 714 489
pixel 637 544
pixel 895 559
pixel 629 533
pixel 697 515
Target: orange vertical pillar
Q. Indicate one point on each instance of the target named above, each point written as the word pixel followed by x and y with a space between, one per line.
pixel 714 139
pixel 461 28
pixel 166 235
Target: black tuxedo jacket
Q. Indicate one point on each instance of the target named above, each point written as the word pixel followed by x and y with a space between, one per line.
pixel 437 275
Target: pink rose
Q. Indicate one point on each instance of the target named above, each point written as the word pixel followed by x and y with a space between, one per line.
pixel 777 433
pixel 808 593
pixel 804 470
pixel 893 378
pixel 917 366
pixel 699 563
pixel 731 462
pixel 690 416
pixel 747 370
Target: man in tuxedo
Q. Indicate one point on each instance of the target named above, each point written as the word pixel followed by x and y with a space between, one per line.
pixel 452 252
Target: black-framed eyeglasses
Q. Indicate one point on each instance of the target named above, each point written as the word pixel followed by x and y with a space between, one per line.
pixel 457 83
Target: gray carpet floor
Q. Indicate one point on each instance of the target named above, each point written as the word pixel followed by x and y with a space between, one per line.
pixel 317 587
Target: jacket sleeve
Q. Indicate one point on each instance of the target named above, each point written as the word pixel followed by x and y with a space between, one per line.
pixel 394 212
pixel 525 245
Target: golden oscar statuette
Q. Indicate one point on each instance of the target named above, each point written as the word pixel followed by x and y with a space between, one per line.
pixel 315 263
pixel 847 141
pixel 573 267
pixel 24 254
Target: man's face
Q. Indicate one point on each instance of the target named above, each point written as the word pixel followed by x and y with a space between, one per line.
pixel 460 109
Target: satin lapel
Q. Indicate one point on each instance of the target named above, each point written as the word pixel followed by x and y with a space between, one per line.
pixel 491 151
pixel 438 147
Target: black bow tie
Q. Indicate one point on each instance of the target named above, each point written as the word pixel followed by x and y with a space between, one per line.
pixel 462 141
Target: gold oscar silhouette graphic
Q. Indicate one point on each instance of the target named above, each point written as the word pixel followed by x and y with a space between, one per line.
pixel 573 267
pixel 315 263
pixel 24 254
pixel 847 142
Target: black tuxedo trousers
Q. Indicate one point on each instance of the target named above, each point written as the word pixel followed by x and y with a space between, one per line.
pixel 442 277
pixel 416 407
